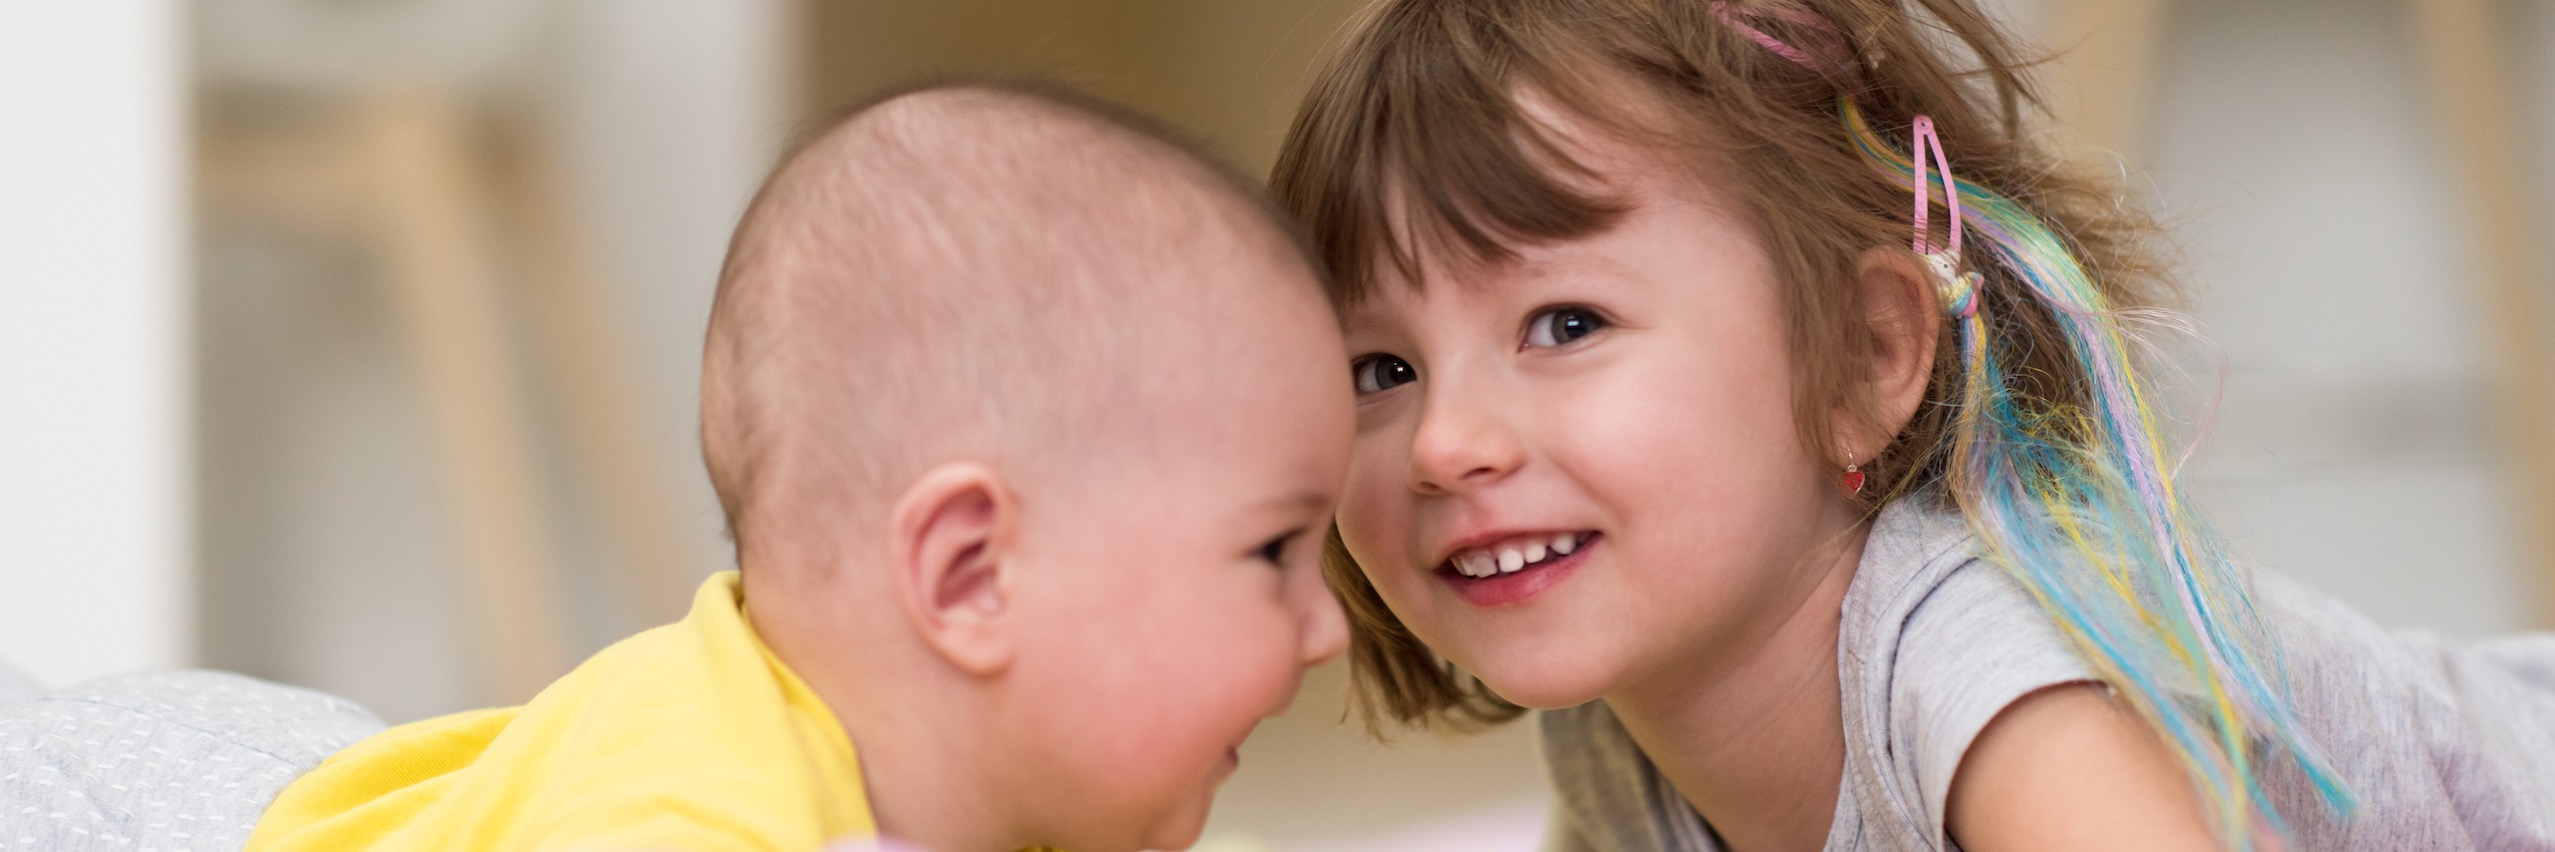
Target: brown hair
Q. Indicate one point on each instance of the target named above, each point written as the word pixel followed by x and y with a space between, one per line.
pixel 1416 113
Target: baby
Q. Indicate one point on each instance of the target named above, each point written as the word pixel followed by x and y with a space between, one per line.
pixel 1026 422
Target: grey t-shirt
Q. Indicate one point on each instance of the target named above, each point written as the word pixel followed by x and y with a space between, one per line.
pixel 2445 745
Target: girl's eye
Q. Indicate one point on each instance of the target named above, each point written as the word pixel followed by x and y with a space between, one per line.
pixel 1274 552
pixel 1560 326
pixel 1380 373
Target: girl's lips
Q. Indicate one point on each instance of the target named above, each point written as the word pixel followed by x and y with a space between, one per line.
pixel 1512 588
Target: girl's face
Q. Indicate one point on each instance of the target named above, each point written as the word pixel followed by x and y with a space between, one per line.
pixel 1617 406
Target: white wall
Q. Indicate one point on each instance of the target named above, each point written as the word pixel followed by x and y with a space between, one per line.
pixel 94 526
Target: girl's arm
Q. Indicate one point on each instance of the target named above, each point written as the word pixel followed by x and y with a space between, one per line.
pixel 2065 768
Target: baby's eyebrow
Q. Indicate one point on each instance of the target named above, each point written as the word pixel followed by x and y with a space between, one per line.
pixel 1300 501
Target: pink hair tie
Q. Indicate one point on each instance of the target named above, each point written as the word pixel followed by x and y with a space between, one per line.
pixel 1829 42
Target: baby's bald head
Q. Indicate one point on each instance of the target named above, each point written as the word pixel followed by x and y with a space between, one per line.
pixel 979 272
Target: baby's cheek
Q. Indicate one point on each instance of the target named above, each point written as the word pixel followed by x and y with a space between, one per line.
pixel 1247 669
pixel 1138 756
pixel 1172 751
pixel 1214 683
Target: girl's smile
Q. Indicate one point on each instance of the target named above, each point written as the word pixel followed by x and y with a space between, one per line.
pixel 1513 568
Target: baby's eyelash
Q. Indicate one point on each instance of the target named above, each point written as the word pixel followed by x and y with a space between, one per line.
pixel 1274 550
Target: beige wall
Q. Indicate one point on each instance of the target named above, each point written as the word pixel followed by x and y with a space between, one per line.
pixel 1228 71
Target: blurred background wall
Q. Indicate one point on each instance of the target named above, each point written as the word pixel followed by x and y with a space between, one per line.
pixel 455 261
pixel 407 415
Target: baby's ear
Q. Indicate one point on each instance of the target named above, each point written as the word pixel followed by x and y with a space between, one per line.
pixel 952 535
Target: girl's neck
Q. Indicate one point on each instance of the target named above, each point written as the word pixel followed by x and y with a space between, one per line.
pixel 1753 737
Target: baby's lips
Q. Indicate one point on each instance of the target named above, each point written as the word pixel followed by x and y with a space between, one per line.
pixel 875 844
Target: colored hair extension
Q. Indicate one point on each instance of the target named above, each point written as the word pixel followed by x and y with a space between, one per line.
pixel 2081 507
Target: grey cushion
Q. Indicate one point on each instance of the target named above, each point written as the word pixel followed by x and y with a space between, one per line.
pixel 161 760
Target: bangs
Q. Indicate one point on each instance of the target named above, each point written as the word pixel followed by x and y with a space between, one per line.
pixel 1424 149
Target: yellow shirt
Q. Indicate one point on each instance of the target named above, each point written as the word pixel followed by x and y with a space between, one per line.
pixel 688 736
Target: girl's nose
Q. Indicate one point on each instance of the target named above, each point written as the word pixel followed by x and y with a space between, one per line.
pixel 1461 444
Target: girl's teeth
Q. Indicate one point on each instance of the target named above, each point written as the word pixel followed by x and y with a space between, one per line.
pixel 1509 560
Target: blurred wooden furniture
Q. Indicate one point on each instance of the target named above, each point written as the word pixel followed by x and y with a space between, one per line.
pixel 2474 100
pixel 2113 57
pixel 430 210
pixel 427 179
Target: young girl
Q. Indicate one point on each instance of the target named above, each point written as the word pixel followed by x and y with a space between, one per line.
pixel 1745 386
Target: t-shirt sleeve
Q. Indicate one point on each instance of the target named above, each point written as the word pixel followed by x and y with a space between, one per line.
pixel 1563 834
pixel 1973 647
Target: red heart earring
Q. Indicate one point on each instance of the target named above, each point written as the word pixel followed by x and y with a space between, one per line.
pixel 1851 482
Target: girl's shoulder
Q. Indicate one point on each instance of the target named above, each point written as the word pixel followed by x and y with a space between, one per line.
pixel 2444 744
pixel 1933 643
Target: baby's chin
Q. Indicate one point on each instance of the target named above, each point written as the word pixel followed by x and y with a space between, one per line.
pixel 1181 828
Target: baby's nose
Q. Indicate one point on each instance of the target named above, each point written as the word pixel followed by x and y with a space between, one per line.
pixel 1325 631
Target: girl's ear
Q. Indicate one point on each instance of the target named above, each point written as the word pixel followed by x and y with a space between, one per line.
pixel 1902 324
pixel 951 547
